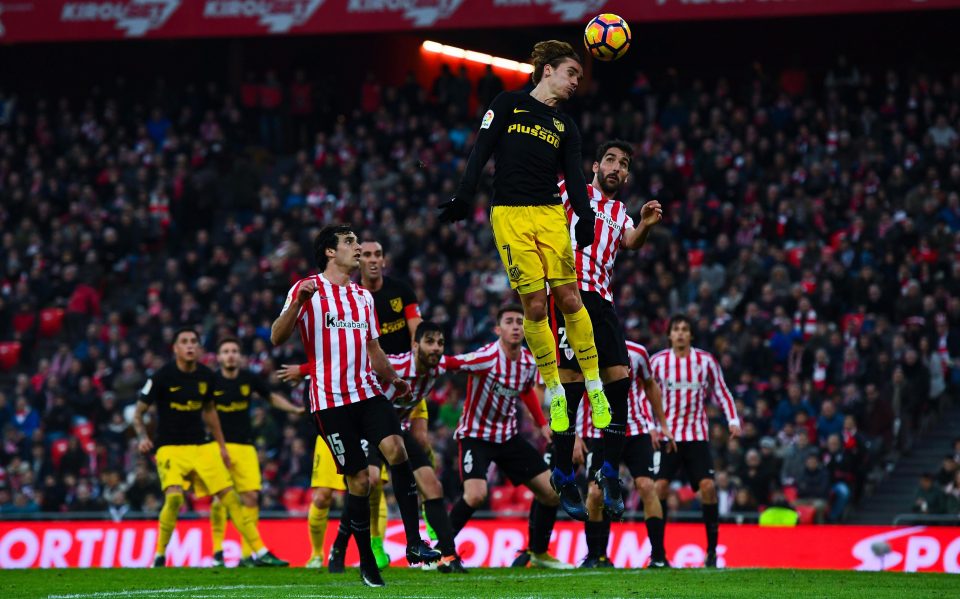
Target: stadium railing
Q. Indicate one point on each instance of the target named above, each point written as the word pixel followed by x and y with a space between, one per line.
pixel 927 519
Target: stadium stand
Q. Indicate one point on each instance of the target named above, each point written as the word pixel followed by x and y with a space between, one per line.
pixel 812 230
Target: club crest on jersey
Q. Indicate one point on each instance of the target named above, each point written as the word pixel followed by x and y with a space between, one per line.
pixel 332 322
pixel 244 390
pixel 340 458
pixel 203 387
pixel 558 124
pixel 514 272
pixel 397 304
pixel 569 353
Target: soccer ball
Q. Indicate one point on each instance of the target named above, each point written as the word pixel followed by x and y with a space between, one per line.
pixel 607 36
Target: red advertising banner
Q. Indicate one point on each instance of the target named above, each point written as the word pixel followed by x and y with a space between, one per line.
pixel 70 20
pixel 494 543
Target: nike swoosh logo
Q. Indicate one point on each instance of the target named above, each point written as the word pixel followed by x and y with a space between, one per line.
pixel 583 351
pixel 219 393
pixel 519 110
pixel 175 389
pixel 543 356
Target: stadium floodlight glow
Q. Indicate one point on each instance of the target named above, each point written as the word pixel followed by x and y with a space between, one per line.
pixel 454 52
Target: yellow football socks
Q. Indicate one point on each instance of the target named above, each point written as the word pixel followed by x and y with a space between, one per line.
pixel 253 515
pixel 317 525
pixel 580 337
pixel 243 520
pixel 168 520
pixel 376 494
pixel 218 524
pixel 544 347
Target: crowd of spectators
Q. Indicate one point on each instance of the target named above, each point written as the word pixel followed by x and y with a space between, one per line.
pixel 811 229
pixel 939 493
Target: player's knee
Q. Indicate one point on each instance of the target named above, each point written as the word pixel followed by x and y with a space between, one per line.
pixel 594 496
pixel 535 305
pixel 707 488
pixel 249 498
pixel 475 497
pixel 174 500
pixel 322 497
pixel 568 299
pixel 547 497
pixel 645 487
pixel 393 450
pixel 661 487
pixel 359 483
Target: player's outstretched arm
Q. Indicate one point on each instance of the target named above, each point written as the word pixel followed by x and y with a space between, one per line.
pixel 282 403
pixel 650 214
pixel 491 129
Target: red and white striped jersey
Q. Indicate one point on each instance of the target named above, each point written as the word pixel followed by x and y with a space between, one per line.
pixel 640 419
pixel 420 385
pixel 595 263
pixel 493 388
pixel 335 326
pixel 684 384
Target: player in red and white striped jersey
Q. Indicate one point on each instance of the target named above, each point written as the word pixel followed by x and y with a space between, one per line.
pixel 645 425
pixel 339 331
pixel 686 376
pixel 501 373
pixel 421 368
pixel 594 264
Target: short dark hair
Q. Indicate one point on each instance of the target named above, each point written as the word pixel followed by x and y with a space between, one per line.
pixel 679 318
pixel 185 329
pixel 327 239
pixel 427 326
pixel 226 340
pixel 508 308
pixel 619 144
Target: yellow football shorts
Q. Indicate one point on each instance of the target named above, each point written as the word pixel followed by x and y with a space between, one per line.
pixel 244 467
pixel 200 465
pixel 534 245
pixel 325 469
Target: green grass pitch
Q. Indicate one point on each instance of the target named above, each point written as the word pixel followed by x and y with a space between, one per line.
pixel 486 583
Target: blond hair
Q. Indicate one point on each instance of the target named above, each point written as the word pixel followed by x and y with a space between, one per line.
pixel 550 52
